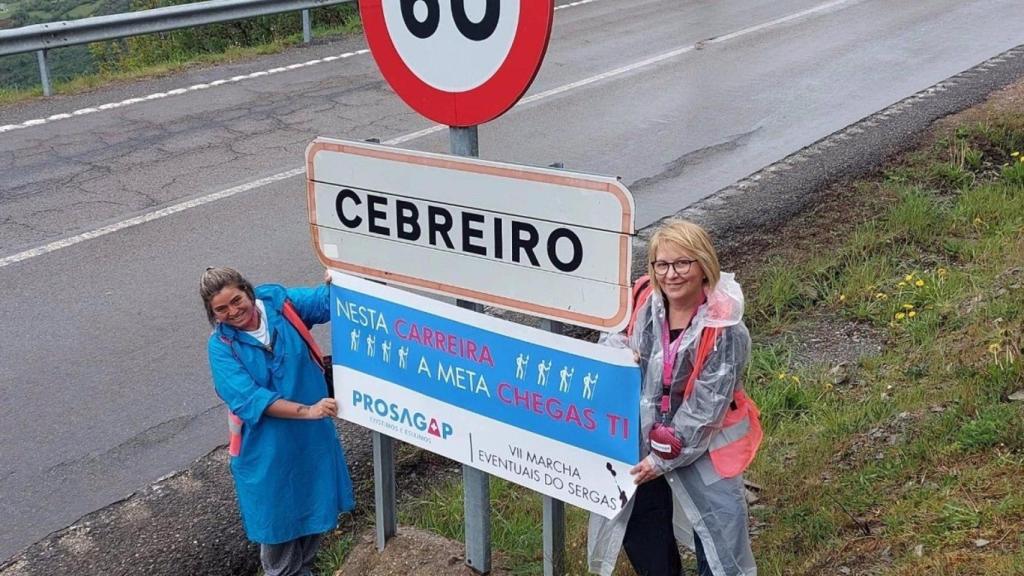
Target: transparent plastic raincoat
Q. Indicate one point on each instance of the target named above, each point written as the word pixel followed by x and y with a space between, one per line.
pixel 704 501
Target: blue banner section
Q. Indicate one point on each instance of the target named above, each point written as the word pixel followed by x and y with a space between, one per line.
pixel 579 400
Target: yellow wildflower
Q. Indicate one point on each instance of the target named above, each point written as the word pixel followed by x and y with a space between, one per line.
pixel 842 297
pixel 908 277
pixel 911 314
pixel 941 271
pixel 977 221
pixel 908 306
pixel 919 283
pixel 881 296
pixel 782 375
pixel 993 348
pixel 900 315
pixel 795 379
pixel 902 284
pixel 1015 154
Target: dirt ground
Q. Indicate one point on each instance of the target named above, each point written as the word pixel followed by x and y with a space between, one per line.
pixel 416 552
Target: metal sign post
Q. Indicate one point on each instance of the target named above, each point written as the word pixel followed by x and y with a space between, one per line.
pixel 554 510
pixel 476 485
pixel 385 509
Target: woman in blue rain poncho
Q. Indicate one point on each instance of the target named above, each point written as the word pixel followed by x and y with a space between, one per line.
pixel 699 430
pixel 290 472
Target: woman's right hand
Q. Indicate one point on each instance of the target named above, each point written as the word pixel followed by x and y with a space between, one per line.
pixel 326 407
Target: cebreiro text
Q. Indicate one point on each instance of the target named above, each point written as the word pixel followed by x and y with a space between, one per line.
pixel 460 229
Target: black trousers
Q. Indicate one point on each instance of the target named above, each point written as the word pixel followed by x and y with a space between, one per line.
pixel 650 542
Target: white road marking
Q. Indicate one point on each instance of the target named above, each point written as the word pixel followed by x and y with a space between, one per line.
pixel 194 87
pixel 182 206
pixel 148 217
pixel 178 91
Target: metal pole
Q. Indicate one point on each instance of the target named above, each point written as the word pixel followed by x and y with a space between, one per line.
pixel 44 73
pixel 307 32
pixel 554 537
pixel 384 488
pixel 554 510
pixel 476 485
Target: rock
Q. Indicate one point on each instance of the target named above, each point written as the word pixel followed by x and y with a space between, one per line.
pixel 751 497
pixel 840 373
pixel 919 550
pixel 413 552
pixel 752 486
pixel 1017 396
pixel 981 543
pixel 844 570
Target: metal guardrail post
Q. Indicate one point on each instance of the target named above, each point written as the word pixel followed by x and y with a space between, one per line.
pixel 52 35
pixel 554 510
pixel 476 485
pixel 44 73
pixel 386 511
pixel 307 31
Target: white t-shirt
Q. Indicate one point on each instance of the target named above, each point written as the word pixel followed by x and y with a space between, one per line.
pixel 260 333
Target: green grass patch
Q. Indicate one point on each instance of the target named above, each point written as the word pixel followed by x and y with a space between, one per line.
pixel 516 517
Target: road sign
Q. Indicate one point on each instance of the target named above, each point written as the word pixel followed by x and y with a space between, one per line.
pixel 545 242
pixel 456 62
pixel 549 412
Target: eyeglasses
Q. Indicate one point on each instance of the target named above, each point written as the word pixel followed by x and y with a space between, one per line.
pixel 681 266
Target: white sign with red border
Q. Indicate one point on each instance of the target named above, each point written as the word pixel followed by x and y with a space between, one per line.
pixel 545 242
pixel 458 62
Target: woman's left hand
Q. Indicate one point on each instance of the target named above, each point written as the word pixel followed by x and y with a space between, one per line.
pixel 645 471
pixel 325 408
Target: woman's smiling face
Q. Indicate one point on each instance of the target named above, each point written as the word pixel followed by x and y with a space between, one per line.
pixel 233 307
pixel 683 279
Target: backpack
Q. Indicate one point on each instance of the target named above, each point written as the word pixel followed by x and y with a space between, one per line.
pixel 642 290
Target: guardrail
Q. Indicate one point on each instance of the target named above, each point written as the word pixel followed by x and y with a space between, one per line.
pixel 39 38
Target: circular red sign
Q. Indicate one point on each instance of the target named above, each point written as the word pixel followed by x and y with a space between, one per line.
pixel 511 53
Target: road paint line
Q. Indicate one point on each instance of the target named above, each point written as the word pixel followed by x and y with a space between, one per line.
pixel 148 217
pixel 772 23
pixel 233 79
pixel 176 92
pixel 182 206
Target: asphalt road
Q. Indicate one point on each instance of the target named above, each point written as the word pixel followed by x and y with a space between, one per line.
pixel 103 375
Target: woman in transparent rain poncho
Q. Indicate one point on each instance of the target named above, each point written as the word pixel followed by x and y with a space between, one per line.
pixel 695 444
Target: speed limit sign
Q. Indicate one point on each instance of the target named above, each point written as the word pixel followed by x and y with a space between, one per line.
pixel 458 62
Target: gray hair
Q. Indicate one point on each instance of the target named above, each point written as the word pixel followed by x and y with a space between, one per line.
pixel 215 279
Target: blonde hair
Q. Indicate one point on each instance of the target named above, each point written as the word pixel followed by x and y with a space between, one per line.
pixel 693 239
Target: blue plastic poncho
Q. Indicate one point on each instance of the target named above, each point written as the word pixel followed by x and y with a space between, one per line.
pixel 291 476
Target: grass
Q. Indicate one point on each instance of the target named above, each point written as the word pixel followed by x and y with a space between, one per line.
pixel 173 65
pixel 912 465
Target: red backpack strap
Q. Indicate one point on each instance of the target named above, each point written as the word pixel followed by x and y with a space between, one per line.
pixel 708 336
pixel 641 294
pixel 293 318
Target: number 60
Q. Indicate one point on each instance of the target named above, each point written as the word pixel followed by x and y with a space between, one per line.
pixel 472 30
